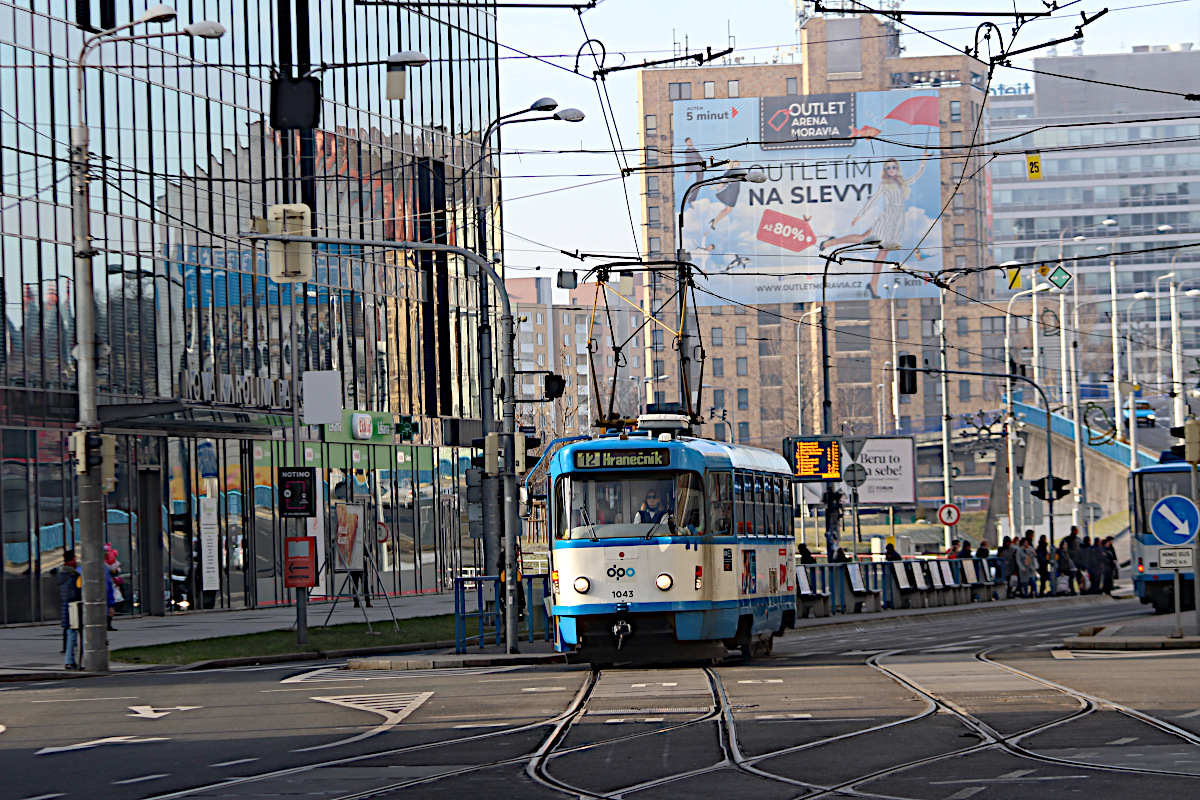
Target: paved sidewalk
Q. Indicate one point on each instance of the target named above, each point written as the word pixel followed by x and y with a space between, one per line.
pixel 1153 632
pixel 35 648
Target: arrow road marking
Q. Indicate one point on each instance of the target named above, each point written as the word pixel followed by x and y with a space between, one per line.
pixel 149 712
pixel 392 707
pixel 98 742
pixel 1181 527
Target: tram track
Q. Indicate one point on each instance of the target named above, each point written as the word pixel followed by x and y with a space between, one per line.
pixel 538 764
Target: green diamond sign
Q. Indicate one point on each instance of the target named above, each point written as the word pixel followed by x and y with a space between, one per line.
pixel 1059 277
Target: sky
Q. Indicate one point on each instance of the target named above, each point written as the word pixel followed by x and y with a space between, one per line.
pixel 577 201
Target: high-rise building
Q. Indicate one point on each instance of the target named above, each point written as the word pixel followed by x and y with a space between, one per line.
pixel 855 141
pixel 1119 188
pixel 195 354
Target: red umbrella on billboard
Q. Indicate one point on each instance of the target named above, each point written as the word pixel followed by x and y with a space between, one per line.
pixel 917 111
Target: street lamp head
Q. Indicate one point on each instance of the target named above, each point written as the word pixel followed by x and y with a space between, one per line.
pixel 160 14
pixel 205 29
pixel 871 240
pixel 397 71
pixel 1110 221
pixel 1042 287
pixel 1079 238
pixel 1142 296
pixel 756 176
pixel 543 104
pixel 1192 293
pixel 1170 274
pixel 891 245
pixel 1164 228
pixel 570 115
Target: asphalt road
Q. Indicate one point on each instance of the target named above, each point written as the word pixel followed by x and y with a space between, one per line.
pixel 971 705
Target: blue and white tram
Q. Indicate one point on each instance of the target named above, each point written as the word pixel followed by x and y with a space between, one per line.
pixel 669 547
pixel 1147 485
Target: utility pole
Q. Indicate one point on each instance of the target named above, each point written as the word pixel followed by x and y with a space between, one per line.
pixel 947 460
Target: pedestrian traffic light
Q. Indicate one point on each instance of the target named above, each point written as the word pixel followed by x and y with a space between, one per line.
pixel 555 386
pixel 1039 489
pixel 1059 488
pixel 526 444
pixel 908 374
pixel 474 485
pixel 1189 451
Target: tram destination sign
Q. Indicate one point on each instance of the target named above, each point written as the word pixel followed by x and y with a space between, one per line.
pixel 817 458
pixel 643 457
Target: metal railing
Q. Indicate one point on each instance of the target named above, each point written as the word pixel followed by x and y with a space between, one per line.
pixel 486 615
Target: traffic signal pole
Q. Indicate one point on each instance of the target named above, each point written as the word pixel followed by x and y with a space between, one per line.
pixel 508 478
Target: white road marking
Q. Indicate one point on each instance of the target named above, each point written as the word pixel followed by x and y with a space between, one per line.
pixel 653 719
pixel 544 689
pixel 1061 654
pixel 613 721
pixel 963 794
pixel 150 712
pixel 338 674
pixel 232 763
pixel 141 779
pixel 393 707
pixel 47 796
pixel 1125 740
pixel 481 725
pixel 98 742
pixel 309 689
pixel 1016 773
pixel 769 680
pixel 1189 714
pixel 83 700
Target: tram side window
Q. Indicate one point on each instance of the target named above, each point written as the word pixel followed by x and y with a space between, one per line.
pixel 783 505
pixel 759 506
pixel 690 498
pixel 739 496
pixel 720 501
pixel 771 500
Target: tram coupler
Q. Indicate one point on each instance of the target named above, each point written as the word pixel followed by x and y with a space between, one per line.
pixel 620 629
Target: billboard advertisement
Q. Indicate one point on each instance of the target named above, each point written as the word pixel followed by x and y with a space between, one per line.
pixel 891 464
pixel 832 180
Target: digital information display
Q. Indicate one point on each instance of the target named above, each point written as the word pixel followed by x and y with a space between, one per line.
pixel 643 458
pixel 816 459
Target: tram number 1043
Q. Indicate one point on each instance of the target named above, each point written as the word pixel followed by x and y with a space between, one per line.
pixel 622 593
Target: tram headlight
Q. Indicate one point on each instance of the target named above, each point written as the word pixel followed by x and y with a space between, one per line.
pixel 582 585
pixel 663 581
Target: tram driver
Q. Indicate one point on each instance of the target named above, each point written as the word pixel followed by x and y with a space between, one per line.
pixel 655 507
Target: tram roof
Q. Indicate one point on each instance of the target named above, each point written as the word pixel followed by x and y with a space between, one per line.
pixel 715 455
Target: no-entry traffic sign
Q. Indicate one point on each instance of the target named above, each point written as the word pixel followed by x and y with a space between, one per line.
pixel 949 514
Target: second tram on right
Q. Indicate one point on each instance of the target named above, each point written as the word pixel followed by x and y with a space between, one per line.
pixel 1147 486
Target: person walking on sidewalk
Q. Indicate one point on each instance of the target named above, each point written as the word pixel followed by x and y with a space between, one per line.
pixel 1112 570
pixel 69 591
pixel 1027 568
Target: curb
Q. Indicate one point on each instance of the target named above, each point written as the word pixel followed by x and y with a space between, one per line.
pixel 458 661
pixel 315 655
pixel 1131 643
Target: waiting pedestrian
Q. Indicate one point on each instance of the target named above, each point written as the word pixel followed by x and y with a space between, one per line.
pixel 806 556
pixel 1011 573
pixel 952 550
pixel 1064 570
pixel 1027 568
pixel 840 557
pixel 890 554
pixel 1073 547
pixel 966 550
pixel 1043 559
pixel 982 551
pixel 69 591
pixel 1113 569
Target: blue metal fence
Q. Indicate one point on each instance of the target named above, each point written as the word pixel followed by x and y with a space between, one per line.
pixel 488 622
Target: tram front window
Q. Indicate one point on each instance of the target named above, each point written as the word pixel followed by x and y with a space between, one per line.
pixel 612 506
pixel 1154 486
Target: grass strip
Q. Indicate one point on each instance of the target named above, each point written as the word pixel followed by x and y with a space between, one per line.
pixel 335 637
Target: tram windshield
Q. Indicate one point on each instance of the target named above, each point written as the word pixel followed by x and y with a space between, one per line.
pixel 614 506
pixel 1154 486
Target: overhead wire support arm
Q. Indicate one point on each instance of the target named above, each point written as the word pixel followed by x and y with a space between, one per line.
pixel 700 58
pixel 896 15
pixel 1003 57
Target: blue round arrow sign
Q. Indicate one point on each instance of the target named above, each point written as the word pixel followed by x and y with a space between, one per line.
pixel 1174 520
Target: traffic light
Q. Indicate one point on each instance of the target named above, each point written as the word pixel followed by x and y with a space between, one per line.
pixel 1039 489
pixel 908 374
pixel 1059 488
pixel 526 443
pixel 555 386
pixel 1189 431
pixel 489 459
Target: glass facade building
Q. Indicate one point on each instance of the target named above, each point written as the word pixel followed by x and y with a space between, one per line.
pixel 1107 154
pixel 195 356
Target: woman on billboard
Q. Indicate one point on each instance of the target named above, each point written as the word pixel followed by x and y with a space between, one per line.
pixel 889 203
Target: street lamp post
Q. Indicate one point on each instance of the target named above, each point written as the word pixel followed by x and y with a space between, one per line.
pixel 684 275
pixel 1010 439
pixel 91 503
pixel 1133 422
pixel 1179 403
pixel 895 360
pixel 1078 518
pixel 492 528
pixel 508 374
pixel 799 380
pixel 1158 373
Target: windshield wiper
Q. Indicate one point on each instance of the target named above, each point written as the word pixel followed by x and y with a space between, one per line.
pixel 670 525
pixel 588 521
